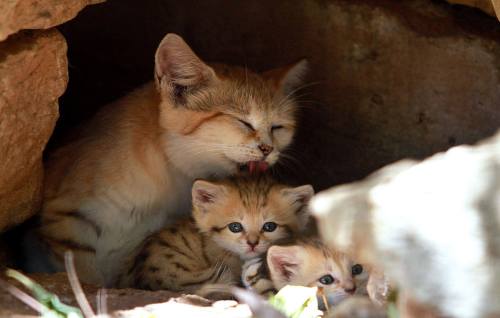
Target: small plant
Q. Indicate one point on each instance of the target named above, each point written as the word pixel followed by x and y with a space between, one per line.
pixel 49 305
pixel 296 302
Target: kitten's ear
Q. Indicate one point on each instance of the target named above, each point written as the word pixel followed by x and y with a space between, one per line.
pixel 205 193
pixel 284 263
pixel 177 68
pixel 287 78
pixel 299 196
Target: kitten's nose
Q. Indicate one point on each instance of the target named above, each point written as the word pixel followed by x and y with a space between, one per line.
pixel 266 149
pixel 252 243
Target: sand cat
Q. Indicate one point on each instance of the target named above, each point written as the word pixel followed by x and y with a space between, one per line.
pixel 234 219
pixel 306 263
pixel 131 170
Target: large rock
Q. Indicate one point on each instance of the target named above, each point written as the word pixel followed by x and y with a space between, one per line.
pixel 37 14
pixel 433 227
pixel 33 74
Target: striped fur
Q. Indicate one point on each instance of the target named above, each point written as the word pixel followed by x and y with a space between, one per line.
pixel 204 251
pixel 130 170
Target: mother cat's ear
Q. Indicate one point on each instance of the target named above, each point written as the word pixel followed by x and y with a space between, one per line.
pixel 287 78
pixel 178 70
pixel 205 194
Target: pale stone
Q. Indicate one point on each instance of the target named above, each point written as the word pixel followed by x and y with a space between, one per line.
pixel 33 74
pixel 433 227
pixel 37 14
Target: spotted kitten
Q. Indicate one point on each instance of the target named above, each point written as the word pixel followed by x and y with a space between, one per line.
pixel 234 219
pixel 306 263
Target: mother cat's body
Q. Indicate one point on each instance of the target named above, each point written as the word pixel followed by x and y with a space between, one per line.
pixel 130 172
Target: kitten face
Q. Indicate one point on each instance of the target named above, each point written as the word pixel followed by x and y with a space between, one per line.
pixel 245 216
pixel 312 264
pixel 228 115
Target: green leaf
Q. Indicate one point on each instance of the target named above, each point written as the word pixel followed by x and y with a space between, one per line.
pixel 54 308
pixel 296 301
pixel 392 308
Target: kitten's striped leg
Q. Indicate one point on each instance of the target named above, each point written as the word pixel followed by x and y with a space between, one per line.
pixel 254 277
pixel 219 274
pixel 219 286
pixel 183 279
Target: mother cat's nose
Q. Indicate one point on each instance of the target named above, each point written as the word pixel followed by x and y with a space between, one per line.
pixel 266 149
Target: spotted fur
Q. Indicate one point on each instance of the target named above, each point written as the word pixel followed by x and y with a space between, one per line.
pixel 204 250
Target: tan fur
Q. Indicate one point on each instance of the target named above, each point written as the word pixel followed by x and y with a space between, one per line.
pixel 303 263
pixel 204 251
pixel 130 171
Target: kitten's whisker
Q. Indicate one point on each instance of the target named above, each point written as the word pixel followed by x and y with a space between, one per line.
pixel 102 304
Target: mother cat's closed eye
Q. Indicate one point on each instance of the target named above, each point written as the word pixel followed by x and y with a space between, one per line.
pixel 130 172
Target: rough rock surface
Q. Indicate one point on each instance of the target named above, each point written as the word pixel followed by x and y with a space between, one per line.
pixel 487 6
pixel 391 79
pixel 58 284
pixel 126 302
pixel 37 14
pixel 33 74
pixel 433 227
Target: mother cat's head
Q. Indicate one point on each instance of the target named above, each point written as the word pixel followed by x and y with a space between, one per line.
pixel 220 118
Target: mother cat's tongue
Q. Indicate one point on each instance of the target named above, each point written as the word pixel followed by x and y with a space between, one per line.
pixel 257 166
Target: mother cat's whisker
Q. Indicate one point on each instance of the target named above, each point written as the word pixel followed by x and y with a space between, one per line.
pixel 292 92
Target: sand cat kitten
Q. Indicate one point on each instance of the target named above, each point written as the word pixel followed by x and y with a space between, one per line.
pixel 130 172
pixel 306 263
pixel 233 219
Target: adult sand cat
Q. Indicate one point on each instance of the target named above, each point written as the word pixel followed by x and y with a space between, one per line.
pixel 233 219
pixel 131 170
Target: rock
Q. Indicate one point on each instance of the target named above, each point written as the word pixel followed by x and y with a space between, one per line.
pixel 433 227
pixel 37 14
pixel 487 6
pixel 117 299
pixel 183 307
pixel 126 302
pixel 33 74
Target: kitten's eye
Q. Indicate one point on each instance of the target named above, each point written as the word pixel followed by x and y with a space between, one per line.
pixel 276 127
pixel 357 269
pixel 269 226
pixel 247 124
pixel 235 227
pixel 327 279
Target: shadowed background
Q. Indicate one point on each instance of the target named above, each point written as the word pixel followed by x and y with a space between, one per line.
pixel 389 79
